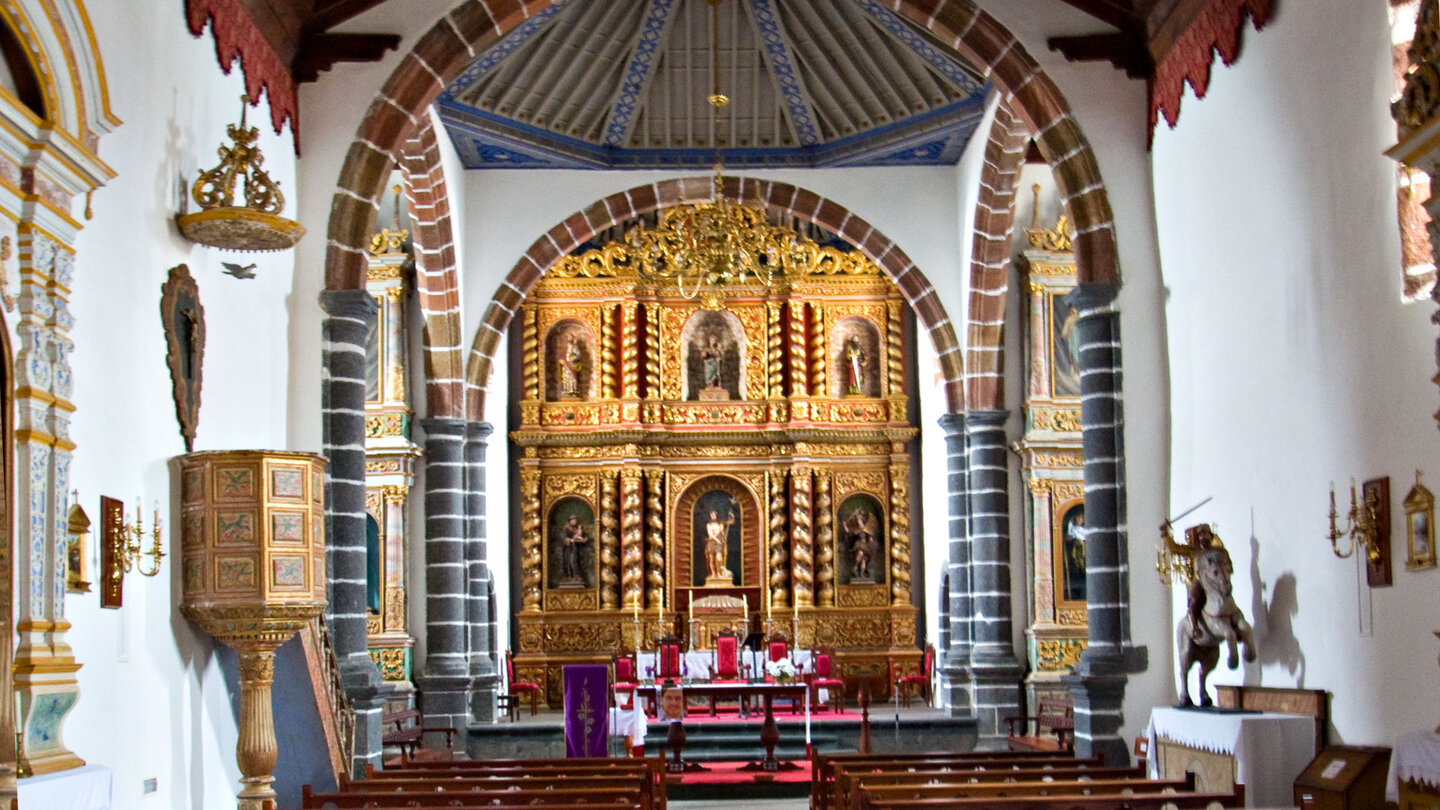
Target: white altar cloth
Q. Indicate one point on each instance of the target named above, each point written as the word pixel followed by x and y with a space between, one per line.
pixel 1416 757
pixel 85 788
pixel 696 663
pixel 628 723
pixel 1270 749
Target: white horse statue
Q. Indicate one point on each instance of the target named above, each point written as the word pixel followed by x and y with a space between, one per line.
pixel 1212 618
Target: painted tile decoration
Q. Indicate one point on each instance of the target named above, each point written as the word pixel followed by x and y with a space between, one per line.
pixel 44 731
pixel 317 488
pixel 193 575
pixel 287 527
pixel 319 568
pixel 192 486
pixel 287 482
pixel 192 531
pixel 234 482
pixel 287 572
pixel 234 528
pixel 234 573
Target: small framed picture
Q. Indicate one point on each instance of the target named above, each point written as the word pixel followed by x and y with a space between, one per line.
pixel 1419 527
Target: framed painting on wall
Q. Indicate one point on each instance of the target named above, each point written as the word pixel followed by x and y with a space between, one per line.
pixel 1419 527
pixel 1069 552
pixel 1064 347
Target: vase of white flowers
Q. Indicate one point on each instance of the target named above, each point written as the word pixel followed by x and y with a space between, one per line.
pixel 781 671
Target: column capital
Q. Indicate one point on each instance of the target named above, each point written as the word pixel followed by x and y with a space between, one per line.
pixel 952 423
pixel 348 304
pixel 478 431
pixel 444 427
pixel 1092 295
pixel 976 421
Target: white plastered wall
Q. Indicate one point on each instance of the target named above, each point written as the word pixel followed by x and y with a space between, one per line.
pixel 1293 361
pixel 153 701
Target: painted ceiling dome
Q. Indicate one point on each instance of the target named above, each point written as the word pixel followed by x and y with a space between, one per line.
pixel 625 83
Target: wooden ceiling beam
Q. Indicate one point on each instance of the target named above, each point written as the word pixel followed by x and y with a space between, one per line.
pixel 1125 50
pixel 1119 13
pixel 330 13
pixel 320 52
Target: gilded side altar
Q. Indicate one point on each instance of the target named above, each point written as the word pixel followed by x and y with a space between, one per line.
pixel 684 468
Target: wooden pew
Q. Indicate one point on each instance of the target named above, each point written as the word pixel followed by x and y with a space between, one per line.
pixel 651 772
pixel 850 783
pixel 1128 801
pixel 632 796
pixel 824 794
pixel 861 794
pixel 1052 728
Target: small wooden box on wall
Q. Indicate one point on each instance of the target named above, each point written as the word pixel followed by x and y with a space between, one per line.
pixel 1344 777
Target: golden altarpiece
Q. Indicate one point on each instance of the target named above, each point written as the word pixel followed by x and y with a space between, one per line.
pixel 685 468
pixel 1052 464
pixel 390 458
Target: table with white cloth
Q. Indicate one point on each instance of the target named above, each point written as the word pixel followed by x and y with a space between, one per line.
pixel 85 788
pixel 1263 751
pixel 696 663
pixel 629 723
pixel 1416 758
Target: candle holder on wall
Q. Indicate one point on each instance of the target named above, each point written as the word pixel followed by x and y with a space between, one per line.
pixel 123 548
pixel 1367 526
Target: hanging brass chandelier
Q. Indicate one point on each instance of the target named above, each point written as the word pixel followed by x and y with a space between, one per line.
pixel 703 248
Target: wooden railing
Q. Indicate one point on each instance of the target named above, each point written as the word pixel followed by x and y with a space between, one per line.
pixel 336 718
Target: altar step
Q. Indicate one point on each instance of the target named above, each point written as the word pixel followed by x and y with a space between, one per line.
pixel 736 741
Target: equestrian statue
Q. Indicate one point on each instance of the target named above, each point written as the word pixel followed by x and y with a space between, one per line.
pixel 1211 616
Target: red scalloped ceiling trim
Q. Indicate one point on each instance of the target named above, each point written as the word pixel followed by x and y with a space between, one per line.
pixel 237 35
pixel 1215 29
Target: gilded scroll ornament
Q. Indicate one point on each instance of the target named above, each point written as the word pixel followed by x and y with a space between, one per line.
pixel 570 600
pixel 632 556
pixel 779 582
pixel 774 352
pixel 824 542
pixel 530 352
pixel 530 540
pixel 390 662
pixel 802 562
pixel 629 352
pixel 1058 654
pixel 558 486
pixel 1073 617
pixel 655 538
pixel 607 358
pixel 850 481
pixel 752 321
pixel 1064 420
pixel 609 544
pixel 899 535
pixel 395 610
pixel 864 596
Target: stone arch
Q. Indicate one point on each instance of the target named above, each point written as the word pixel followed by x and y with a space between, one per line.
pixel 475 25
pixel 626 205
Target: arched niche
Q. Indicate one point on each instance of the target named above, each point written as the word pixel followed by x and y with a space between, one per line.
pixel 570 545
pixel 713 352
pixel 855 357
pixel 569 361
pixel 743 536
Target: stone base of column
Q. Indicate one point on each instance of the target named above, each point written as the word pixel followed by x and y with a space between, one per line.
pixel 367 692
pixel 484 689
pixel 445 701
pixel 955 690
pixel 997 681
pixel 1098 690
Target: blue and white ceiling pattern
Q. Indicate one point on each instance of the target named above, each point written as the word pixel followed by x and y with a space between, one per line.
pixel 616 84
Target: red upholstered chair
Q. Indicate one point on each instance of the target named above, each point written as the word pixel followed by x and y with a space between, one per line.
pixel 920 680
pixel 825 674
pixel 625 680
pixel 725 657
pixel 667 660
pixel 519 687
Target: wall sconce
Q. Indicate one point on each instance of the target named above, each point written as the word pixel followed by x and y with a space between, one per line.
pixel 122 549
pixel 1367 525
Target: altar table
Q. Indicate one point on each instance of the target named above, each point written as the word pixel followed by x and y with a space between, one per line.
pixel 733 690
pixel 1416 758
pixel 697 662
pixel 1263 751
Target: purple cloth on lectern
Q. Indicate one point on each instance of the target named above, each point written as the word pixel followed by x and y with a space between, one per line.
pixel 587 716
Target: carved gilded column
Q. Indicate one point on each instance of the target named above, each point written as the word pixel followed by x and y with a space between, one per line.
pixel 817 351
pixel 609 543
pixel 655 537
pixel 629 353
pixel 824 542
pixel 652 351
pixel 895 353
pixel 779 581
pixel 607 357
pixel 802 563
pixel 632 555
pixel 530 352
pixel 256 750
pixel 530 541
pixel 774 350
pixel 899 534
pixel 798 385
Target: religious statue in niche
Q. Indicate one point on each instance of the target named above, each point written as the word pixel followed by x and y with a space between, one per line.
pixel 712 343
pixel 854 367
pixel 853 362
pixel 716 521
pixel 1071 563
pixel 572 550
pixel 568 368
pixel 1064 347
pixel 184 322
pixel 862 549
